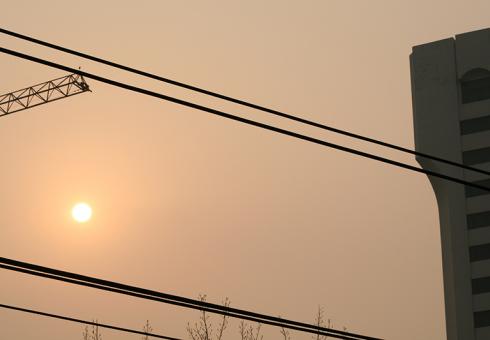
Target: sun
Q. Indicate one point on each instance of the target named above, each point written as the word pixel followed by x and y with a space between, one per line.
pixel 81 212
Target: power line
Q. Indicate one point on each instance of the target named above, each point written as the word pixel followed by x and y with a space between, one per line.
pixel 66 318
pixel 241 102
pixel 242 120
pixel 163 300
pixel 147 294
pixel 170 299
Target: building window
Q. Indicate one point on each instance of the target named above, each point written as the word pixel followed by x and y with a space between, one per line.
pixel 475 85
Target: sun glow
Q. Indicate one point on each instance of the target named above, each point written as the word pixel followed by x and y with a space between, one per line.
pixel 81 212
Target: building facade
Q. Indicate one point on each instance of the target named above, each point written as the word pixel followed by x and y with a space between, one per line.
pixel 451 110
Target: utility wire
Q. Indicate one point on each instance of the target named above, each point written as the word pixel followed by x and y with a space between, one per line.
pixel 242 120
pixel 242 102
pixel 169 301
pixel 66 318
pixel 147 294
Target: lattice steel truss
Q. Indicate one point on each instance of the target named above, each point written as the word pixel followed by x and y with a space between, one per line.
pixel 43 93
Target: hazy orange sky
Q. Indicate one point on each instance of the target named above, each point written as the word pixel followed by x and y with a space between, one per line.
pixel 188 203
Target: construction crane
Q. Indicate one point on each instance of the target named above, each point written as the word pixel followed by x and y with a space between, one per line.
pixel 43 93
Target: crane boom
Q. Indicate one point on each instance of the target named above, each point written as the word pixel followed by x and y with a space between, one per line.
pixel 42 93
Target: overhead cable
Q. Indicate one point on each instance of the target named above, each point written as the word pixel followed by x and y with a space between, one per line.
pixel 93 323
pixel 83 280
pixel 243 120
pixel 242 102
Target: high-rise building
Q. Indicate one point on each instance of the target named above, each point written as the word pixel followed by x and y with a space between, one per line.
pixel 451 110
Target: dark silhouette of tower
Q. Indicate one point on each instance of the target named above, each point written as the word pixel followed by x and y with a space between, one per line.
pixel 451 110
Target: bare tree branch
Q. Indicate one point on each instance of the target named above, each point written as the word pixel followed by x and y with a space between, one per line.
pixel 85 333
pixel 204 330
pixel 224 321
pixel 285 334
pixel 147 329
pixel 96 334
